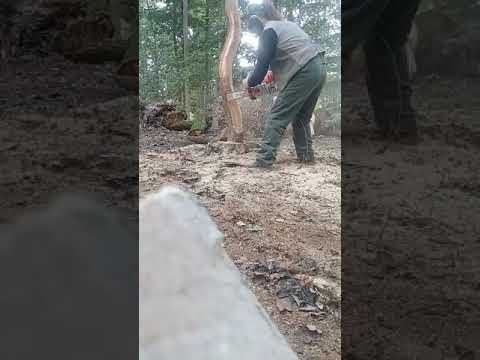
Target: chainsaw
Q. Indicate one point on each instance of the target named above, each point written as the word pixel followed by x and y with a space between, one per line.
pixel 258 91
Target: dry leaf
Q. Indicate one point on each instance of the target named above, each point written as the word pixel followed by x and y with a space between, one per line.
pixel 284 305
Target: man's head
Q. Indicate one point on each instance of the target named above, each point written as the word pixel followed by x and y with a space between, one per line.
pixel 260 14
pixel 255 25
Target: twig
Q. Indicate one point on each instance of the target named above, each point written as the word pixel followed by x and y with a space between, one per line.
pixel 386 220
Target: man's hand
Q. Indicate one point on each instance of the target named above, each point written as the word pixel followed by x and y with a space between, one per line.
pixel 268 78
pixel 251 93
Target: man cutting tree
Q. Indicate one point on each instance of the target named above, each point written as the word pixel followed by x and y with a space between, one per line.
pixel 297 67
pixel 382 27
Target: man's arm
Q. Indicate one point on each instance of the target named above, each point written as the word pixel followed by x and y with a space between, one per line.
pixel 266 52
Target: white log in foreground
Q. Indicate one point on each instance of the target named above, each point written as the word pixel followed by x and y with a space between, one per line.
pixel 194 304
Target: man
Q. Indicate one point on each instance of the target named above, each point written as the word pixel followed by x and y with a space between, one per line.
pixel 298 68
pixel 383 27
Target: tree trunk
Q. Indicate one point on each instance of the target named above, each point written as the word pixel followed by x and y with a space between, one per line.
pixel 178 91
pixel 230 47
pixel 207 55
pixel 185 58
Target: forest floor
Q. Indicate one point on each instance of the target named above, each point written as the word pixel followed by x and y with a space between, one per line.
pixel 277 224
pixel 62 125
pixel 288 220
pixel 410 249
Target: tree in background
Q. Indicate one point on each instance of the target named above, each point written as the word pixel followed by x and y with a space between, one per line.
pixel 179 49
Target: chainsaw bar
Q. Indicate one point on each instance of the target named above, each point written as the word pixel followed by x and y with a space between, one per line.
pixel 259 91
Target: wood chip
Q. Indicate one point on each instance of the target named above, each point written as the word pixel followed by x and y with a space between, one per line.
pixel 313 329
pixel 308 308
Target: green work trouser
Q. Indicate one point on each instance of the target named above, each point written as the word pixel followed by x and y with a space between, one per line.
pixel 294 104
pixel 382 27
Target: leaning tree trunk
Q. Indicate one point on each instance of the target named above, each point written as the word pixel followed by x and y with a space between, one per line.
pixel 232 41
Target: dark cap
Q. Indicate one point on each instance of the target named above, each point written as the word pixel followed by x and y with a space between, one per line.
pixel 256 9
pixel 255 25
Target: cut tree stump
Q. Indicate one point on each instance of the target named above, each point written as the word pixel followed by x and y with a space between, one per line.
pixel 194 303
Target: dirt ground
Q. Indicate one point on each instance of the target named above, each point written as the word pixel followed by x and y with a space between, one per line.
pixel 285 223
pixel 410 249
pixel 292 216
pixel 276 223
pixel 63 126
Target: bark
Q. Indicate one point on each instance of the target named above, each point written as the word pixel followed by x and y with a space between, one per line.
pixel 227 56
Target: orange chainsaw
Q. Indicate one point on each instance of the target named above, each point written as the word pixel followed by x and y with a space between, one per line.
pixel 257 91
pixel 267 87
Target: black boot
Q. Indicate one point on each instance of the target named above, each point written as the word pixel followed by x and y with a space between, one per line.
pixel 406 129
pixel 306 158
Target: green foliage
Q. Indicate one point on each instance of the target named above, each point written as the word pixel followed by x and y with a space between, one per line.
pixel 163 68
pixel 199 120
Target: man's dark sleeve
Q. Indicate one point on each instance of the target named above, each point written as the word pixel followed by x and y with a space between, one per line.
pixel 266 51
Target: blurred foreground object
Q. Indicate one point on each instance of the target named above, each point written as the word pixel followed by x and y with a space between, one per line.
pixel 193 301
pixel 69 284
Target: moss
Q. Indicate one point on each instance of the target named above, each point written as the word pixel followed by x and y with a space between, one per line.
pixel 199 120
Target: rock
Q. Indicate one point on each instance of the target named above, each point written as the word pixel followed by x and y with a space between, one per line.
pixel 193 301
pixel 328 289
